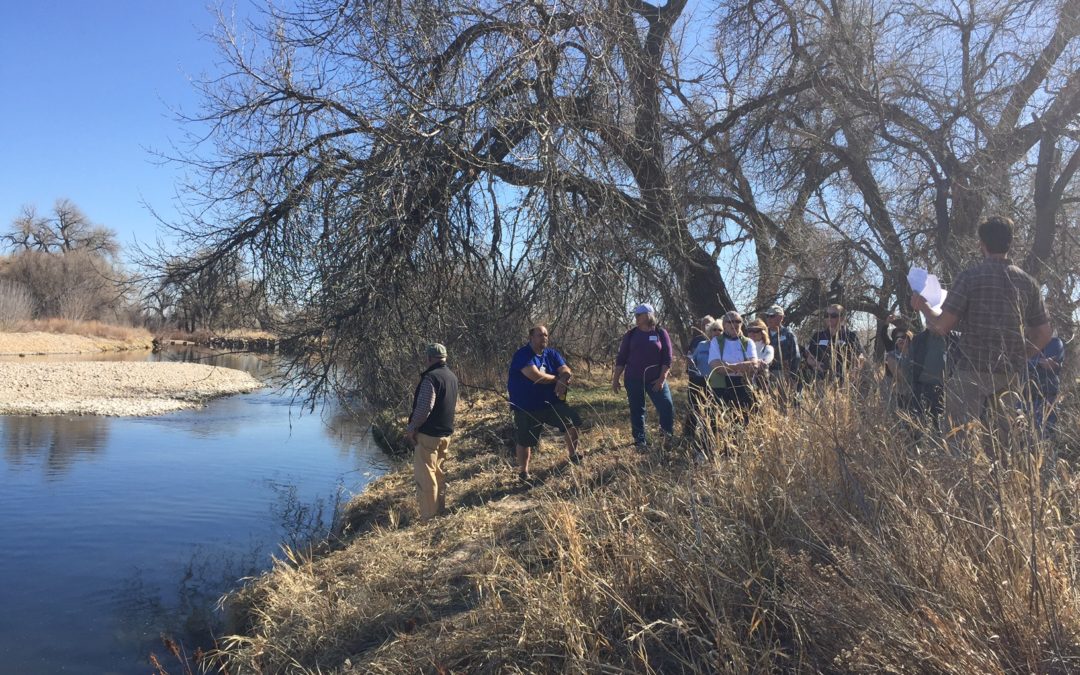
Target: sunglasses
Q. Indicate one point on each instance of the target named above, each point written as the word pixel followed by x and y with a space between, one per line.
pixel 833 315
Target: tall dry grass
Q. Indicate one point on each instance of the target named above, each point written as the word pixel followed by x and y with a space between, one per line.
pixel 830 539
pixel 87 328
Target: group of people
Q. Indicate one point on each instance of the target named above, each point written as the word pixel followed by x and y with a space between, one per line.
pixel 991 336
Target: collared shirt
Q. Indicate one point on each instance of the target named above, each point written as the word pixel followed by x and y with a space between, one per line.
pixel 994 301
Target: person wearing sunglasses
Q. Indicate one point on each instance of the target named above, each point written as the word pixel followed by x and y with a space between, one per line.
pixel 733 360
pixel 758 332
pixel 835 351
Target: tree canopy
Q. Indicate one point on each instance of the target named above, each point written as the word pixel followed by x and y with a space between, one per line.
pixel 396 172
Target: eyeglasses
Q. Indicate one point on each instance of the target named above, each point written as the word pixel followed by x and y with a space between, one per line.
pixel 833 315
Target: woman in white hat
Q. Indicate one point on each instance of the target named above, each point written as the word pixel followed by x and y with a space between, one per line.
pixel 644 362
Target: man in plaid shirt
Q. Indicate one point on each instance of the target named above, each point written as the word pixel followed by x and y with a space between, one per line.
pixel 999 311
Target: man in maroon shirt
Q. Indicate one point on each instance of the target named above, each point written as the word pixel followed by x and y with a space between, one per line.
pixel 999 311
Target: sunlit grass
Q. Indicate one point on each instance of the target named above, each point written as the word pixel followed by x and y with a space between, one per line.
pixel 831 538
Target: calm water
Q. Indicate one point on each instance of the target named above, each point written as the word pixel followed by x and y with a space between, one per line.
pixel 114 530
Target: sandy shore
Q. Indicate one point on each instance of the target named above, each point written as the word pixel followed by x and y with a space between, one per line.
pixel 114 388
pixel 12 344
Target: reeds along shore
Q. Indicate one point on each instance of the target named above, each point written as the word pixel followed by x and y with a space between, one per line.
pixel 830 539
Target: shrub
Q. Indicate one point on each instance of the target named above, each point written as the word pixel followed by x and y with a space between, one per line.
pixel 16 305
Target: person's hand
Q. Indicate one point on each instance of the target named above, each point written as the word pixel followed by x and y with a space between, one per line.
pixel 659 384
pixel 561 387
pixel 615 385
pixel 410 438
pixel 918 303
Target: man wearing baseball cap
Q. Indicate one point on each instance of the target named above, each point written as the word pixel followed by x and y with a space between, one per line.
pixel 645 358
pixel 784 369
pixel 430 427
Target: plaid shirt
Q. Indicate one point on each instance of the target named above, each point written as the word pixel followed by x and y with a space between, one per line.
pixel 994 301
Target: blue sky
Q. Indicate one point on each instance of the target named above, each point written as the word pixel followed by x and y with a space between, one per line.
pixel 88 89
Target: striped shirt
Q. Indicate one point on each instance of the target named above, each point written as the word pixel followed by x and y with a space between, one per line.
pixel 425 402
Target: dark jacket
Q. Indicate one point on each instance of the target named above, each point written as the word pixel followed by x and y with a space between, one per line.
pixel 786 346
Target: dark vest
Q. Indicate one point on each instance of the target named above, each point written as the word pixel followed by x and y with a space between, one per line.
pixel 440 423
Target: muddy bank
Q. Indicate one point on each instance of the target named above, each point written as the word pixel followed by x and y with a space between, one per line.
pixel 114 389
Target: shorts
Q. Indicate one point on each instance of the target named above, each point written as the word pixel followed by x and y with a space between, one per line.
pixel 529 423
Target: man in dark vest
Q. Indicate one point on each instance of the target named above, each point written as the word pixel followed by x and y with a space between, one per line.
pixel 430 427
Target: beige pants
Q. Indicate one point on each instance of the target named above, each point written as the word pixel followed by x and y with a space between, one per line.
pixel 428 458
pixel 969 394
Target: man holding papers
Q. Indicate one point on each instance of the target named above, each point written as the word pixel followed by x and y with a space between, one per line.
pixel 999 311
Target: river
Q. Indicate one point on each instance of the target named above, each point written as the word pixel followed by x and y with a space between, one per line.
pixel 116 530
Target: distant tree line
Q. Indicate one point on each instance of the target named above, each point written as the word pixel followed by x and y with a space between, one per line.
pixel 394 172
pixel 63 265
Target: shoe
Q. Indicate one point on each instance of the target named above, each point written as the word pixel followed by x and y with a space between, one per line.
pixel 576 458
pixel 642 446
pixel 524 477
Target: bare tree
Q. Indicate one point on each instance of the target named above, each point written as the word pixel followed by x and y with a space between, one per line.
pixel 381 166
pixel 67 262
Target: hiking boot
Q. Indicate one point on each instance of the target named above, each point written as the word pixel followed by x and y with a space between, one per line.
pixel 525 478
pixel 576 458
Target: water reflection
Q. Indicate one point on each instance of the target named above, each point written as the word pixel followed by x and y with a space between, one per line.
pixel 136 526
pixel 60 440
pixel 187 607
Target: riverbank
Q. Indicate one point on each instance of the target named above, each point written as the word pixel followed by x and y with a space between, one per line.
pixel 39 342
pixel 114 388
pixel 828 539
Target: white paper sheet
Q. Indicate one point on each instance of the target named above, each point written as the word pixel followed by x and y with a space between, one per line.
pixel 928 286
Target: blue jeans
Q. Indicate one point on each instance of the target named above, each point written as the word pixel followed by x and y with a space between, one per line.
pixel 635 395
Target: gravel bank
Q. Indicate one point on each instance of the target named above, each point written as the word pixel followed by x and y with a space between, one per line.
pixel 114 388
pixel 12 344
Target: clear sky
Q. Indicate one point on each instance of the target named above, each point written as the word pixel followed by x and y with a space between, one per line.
pixel 88 88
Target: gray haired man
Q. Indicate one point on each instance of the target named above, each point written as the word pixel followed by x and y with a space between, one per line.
pixel 430 427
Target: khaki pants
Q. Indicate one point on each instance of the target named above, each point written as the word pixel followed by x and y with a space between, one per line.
pixel 428 458
pixel 969 394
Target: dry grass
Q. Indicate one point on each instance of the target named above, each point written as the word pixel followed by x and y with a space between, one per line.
pixel 830 539
pixel 87 328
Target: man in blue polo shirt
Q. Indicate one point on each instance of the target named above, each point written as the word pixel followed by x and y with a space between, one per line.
pixel 538 380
